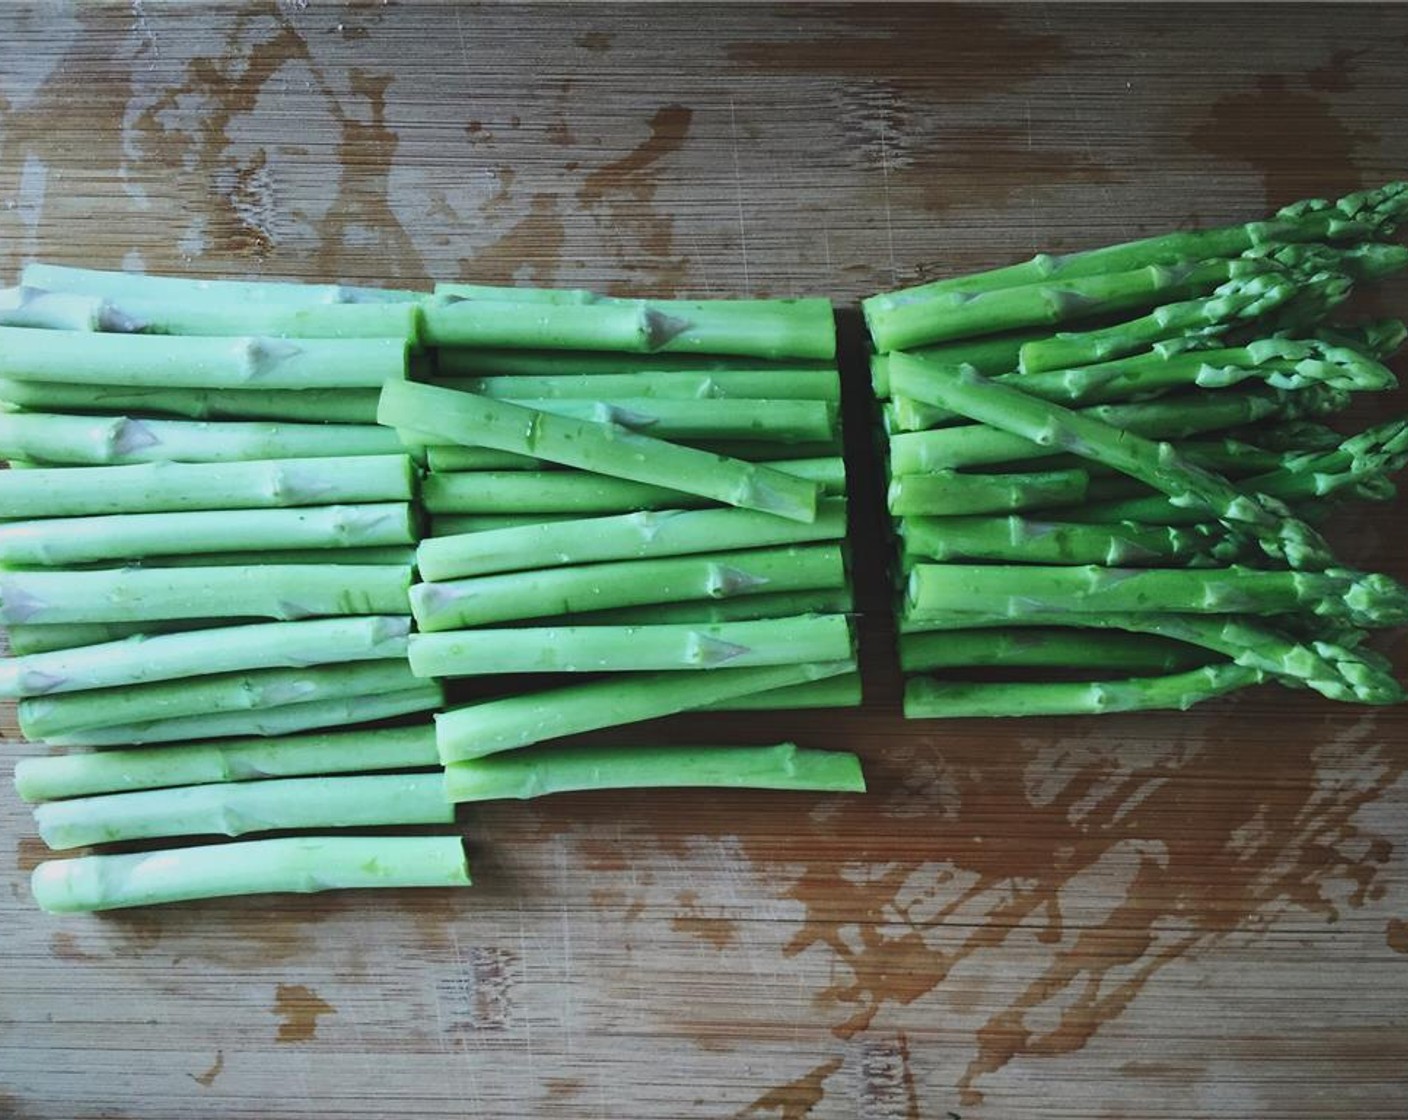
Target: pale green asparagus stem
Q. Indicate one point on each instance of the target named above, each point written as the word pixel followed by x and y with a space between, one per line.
pixel 341 406
pixel 190 290
pixel 776 604
pixel 950 492
pixel 39 638
pixel 740 384
pixel 841 691
pixel 56 311
pixel 450 458
pixel 400 321
pixel 1046 648
pixel 498 362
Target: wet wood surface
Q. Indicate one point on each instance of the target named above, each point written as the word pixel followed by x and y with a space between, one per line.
pixel 1201 915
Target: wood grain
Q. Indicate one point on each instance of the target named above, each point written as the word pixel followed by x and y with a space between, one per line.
pixel 1136 917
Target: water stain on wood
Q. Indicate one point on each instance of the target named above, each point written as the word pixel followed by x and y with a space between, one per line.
pixel 1335 75
pixel 560 1087
pixel 887 1090
pixel 595 41
pixel 299 1008
pixel 529 250
pixel 64 947
pixel 1396 935
pixel 713 929
pixel 633 173
pixel 207 1079
pixel 30 852
pixel 478 994
pixel 796 1099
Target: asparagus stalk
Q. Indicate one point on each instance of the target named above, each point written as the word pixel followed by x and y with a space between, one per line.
pixel 111 440
pixel 139 659
pixel 1046 648
pixel 926 698
pixel 301 864
pixel 78 357
pixel 280 591
pixel 45 716
pixel 453 524
pixel 342 406
pixel 793 421
pixel 632 536
pixel 394 555
pixel 542 771
pixel 949 492
pixel 699 612
pixel 518 721
pixel 991 354
pixel 451 458
pixel 1016 590
pixel 447 291
pixel 187 290
pixel 239 808
pixel 36 308
pixel 400 321
pixel 286 719
pixel 590 649
pixel 233 760
pixel 254 533
pixel 499 362
pixel 159 487
pixel 602 448
pixel 742 384
pixel 39 638
pixel 841 691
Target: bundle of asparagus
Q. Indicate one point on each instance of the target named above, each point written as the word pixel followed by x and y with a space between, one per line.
pixel 1113 462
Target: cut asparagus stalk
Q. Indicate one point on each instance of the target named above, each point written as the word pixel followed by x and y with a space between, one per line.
pixel 232 760
pixel 139 660
pixel 603 448
pixel 498 362
pixel 518 721
pixel 341 406
pixel 447 291
pixel 1049 648
pixel 300 864
pixel 739 384
pixel 949 492
pixel 78 357
pixel 632 536
pixel 399 556
pixel 771 420
pixel 842 691
pixel 452 524
pixel 450 458
pixel 39 638
pixel 776 604
pixel 239 808
pixel 36 308
pixel 926 698
pixel 280 591
pixel 241 318
pixel 590 649
pixel 187 290
pixel 457 604
pixel 287 719
pixel 772 329
pixel 163 487
pixel 547 770
pixel 112 440
pixel 1015 590
pixel 44 717
pixel 990 354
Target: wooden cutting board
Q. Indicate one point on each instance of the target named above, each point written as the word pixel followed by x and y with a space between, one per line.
pixel 1201 915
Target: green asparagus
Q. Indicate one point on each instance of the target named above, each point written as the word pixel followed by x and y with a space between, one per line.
pixel 341 406
pixel 741 384
pixel 183 290
pixel 950 492
pixel 1048 648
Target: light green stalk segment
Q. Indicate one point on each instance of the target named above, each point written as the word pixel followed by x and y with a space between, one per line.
pixel 39 638
pixel 155 361
pixel 453 524
pixel 541 771
pixel 1281 536
pixel 138 660
pixel 518 721
pixel 445 458
pixel 188 290
pixel 776 604
pixel 481 600
pixel 842 691
pixel 301 864
pixel 772 420
pixel 56 311
pixel 241 318
pixel 591 649
pixel 926 698
pixel 1046 648
pixel 1017 590
pixel 772 329
pixel 162 487
pixel 113 440
pixel 253 533
pixel 287 719
pixel 972 445
pixel 498 362
pixel 1018 540
pixel 48 717
pixel 341 406
pixel 239 808
pixel 949 492
pixel 603 448
pixel 401 556
pixel 632 536
pixel 448 290
pixel 741 384
pixel 280 591
pixel 83 774
pixel 990 354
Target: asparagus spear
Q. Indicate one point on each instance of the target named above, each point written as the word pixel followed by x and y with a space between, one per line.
pixel 47 716
pixel 451 458
pixel 232 760
pixel 1024 541
pixel 793 421
pixel 389 555
pixel 286 719
pixel 448 290
pixel 518 721
pixel 632 536
pixel 280 591
pixel 292 863
pixel 841 691
pixel 58 541
pixel 1016 590
pixel 1159 465
pixel 40 638
pixel 603 448
pixel 492 361
pixel 185 290
pixel 242 318
pixel 541 771
pixel 238 808
pixel 111 440
pixel 926 698
pixel 949 492
pixel 158 487
pixel 991 354
pixel 775 604
pixel 453 524
pixel 482 600
pixel 743 384
pixel 139 659
pixel 590 649
pixel 1046 648
pixel 155 361
pixel 36 308
pixel 342 406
